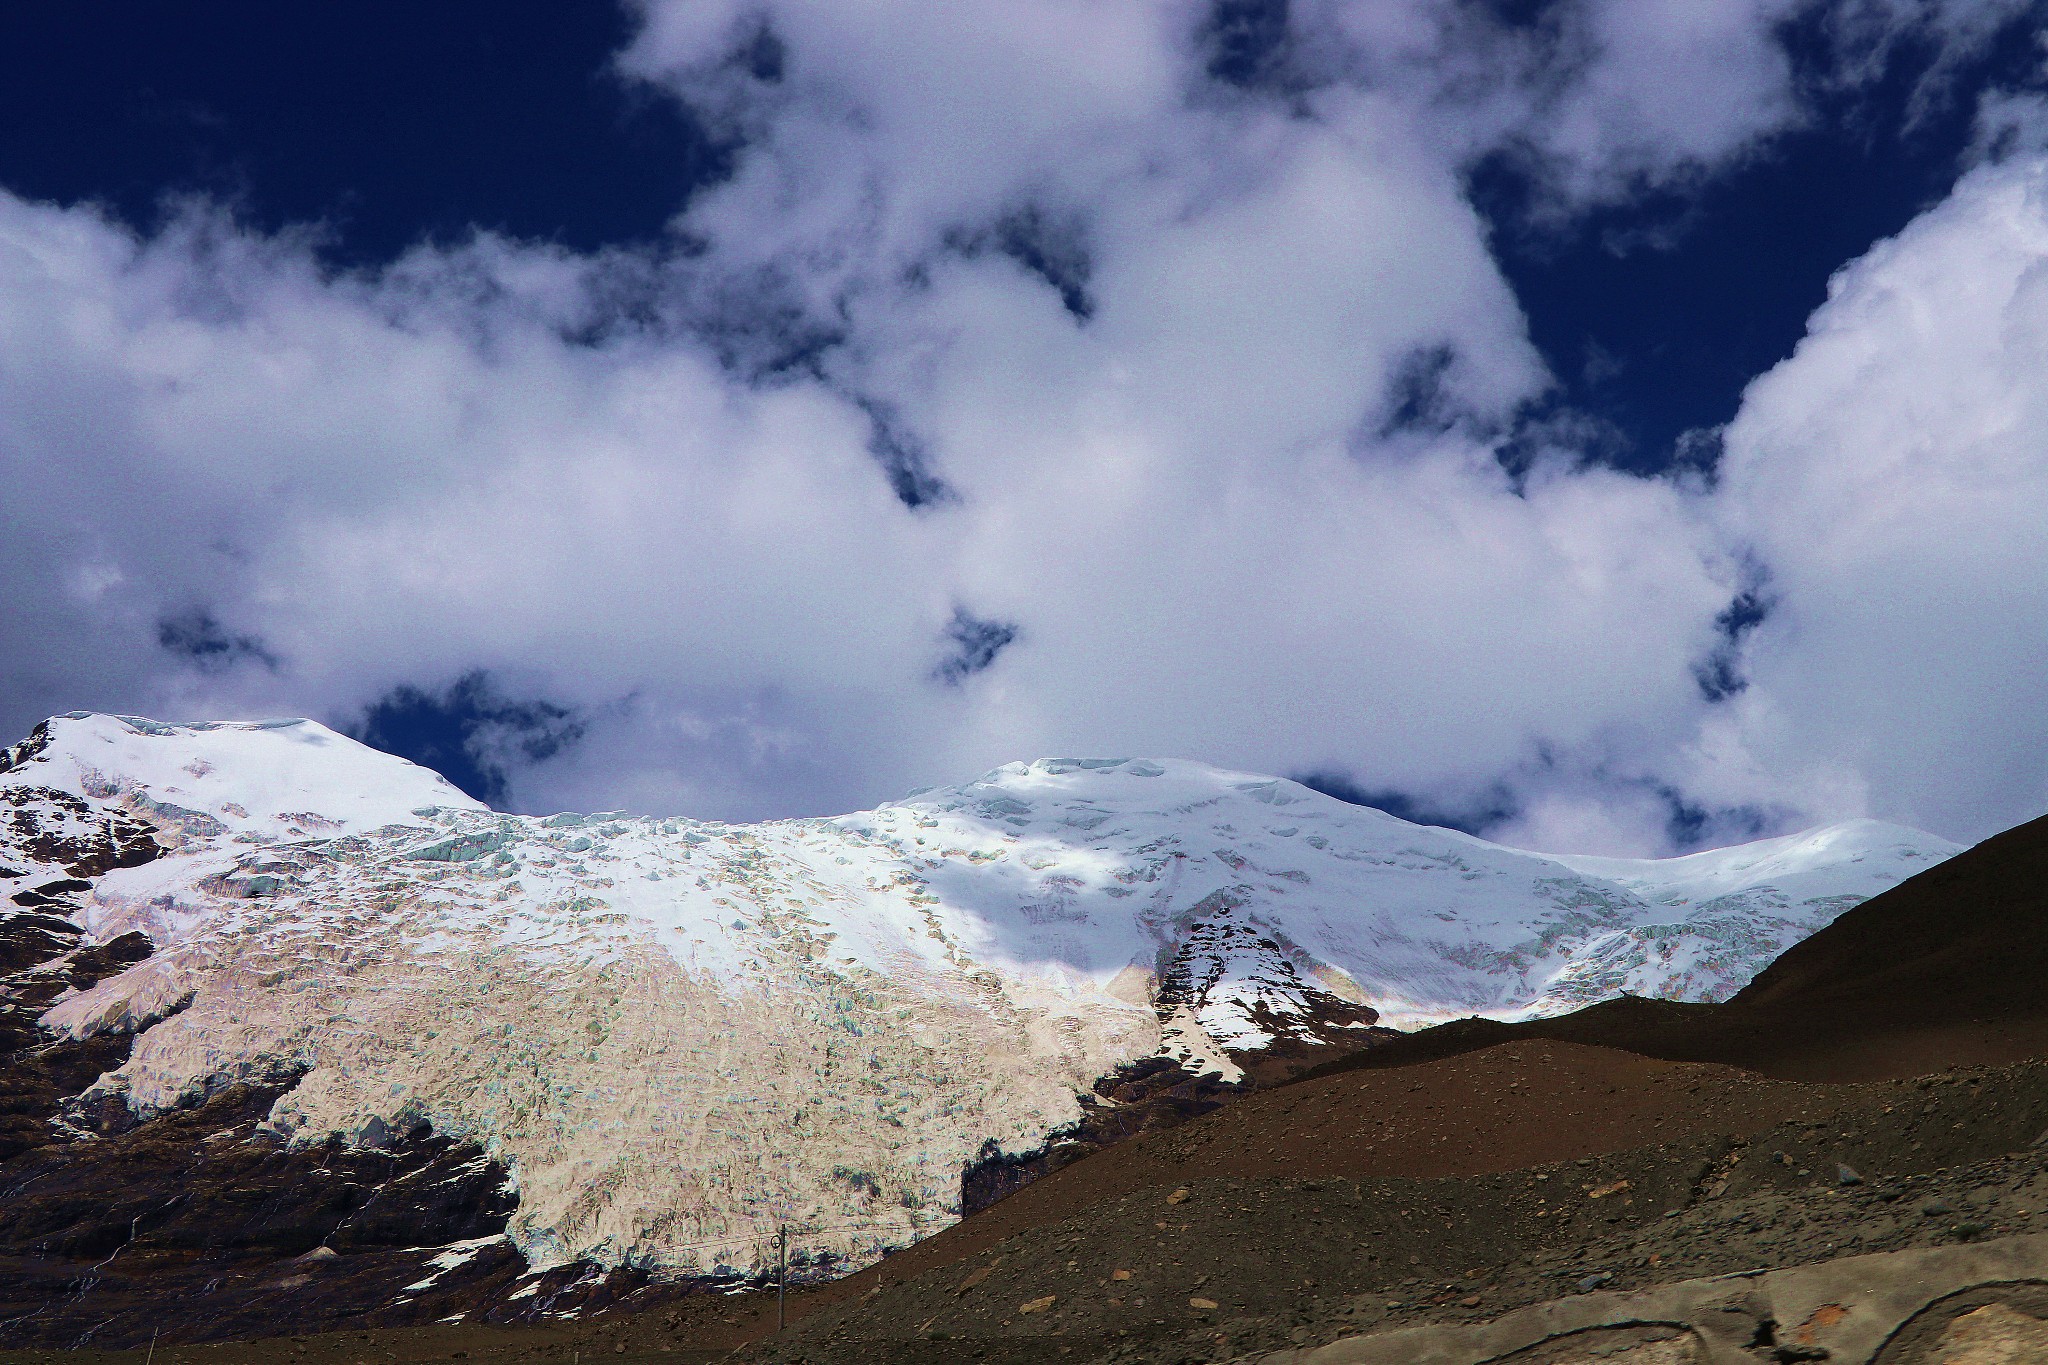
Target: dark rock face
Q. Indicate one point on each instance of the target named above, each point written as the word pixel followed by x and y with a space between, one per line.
pixel 40 825
pixel 14 755
pixel 202 1224
pixel 38 1073
pixel 43 953
pixel 1304 1024
pixel 29 938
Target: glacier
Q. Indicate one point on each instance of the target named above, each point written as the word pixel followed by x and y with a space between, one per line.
pixel 680 1034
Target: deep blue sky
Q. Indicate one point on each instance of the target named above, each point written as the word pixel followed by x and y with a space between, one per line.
pixel 386 121
pixel 1656 314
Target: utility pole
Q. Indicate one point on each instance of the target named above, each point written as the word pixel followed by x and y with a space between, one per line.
pixel 781 1276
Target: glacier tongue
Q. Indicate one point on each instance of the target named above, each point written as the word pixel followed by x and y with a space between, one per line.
pixel 679 1034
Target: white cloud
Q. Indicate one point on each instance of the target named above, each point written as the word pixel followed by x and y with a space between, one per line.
pixel 1893 474
pixel 1191 503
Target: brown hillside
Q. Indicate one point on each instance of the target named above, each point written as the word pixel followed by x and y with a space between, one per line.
pixel 1949 968
pixel 1966 939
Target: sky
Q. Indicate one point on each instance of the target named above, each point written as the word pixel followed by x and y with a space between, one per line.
pixel 1610 426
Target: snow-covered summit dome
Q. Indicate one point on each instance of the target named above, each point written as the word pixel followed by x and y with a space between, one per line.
pixel 278 778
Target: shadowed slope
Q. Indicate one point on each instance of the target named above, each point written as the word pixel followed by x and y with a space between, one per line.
pixel 1949 968
pixel 1966 939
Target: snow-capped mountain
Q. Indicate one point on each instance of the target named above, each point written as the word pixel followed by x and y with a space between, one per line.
pixel 677 1034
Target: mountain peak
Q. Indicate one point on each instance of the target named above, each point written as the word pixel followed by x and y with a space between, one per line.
pixel 679 1034
pixel 286 778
